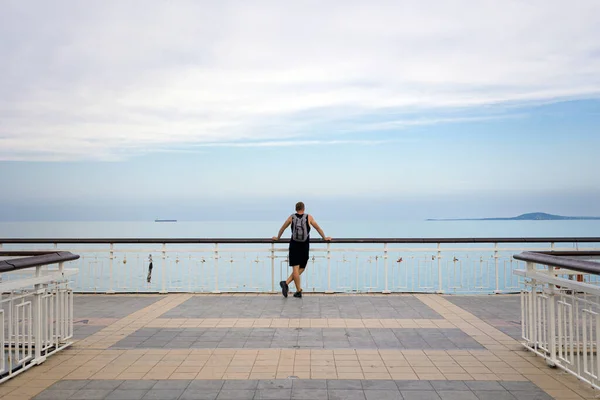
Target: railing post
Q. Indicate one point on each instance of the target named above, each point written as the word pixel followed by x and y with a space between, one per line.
pixel 329 291
pixel 216 257
pixel 111 259
pixel 37 318
pixel 531 319
pixel 163 289
pixel 273 267
pixel 439 264
pixel 552 319
pixel 385 265
pixel 496 268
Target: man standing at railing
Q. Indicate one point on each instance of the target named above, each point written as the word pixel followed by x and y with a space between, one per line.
pixel 299 246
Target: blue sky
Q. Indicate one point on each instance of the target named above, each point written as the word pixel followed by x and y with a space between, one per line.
pixel 199 110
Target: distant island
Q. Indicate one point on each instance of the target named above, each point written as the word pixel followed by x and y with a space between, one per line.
pixel 165 220
pixel 536 216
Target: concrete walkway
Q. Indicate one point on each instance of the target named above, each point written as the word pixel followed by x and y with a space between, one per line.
pixel 185 346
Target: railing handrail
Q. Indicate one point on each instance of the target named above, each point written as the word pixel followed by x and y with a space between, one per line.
pixel 588 267
pixel 36 261
pixel 268 240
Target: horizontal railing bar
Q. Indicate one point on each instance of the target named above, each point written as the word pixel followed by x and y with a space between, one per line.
pixel 337 240
pixel 36 261
pixel 20 253
pixel 321 249
pixel 589 267
pixel 53 276
pixel 566 253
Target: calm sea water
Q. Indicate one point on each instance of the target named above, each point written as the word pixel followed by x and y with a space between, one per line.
pixel 264 229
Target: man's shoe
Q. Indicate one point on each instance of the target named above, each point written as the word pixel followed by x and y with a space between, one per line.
pixel 284 288
pixel 298 294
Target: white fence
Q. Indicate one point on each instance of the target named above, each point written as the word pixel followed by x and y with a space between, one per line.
pixel 37 317
pixel 561 317
pixel 256 265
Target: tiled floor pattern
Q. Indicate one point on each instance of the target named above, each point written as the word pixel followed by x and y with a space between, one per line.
pixel 291 390
pixel 92 313
pixel 499 361
pixel 300 338
pixel 502 312
pixel 311 306
pixel 113 306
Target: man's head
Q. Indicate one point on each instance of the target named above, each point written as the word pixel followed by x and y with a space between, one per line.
pixel 299 206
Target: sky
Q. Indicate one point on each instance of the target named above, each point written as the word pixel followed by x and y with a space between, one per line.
pixel 204 110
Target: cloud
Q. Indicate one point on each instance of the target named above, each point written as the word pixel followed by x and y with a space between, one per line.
pixel 105 80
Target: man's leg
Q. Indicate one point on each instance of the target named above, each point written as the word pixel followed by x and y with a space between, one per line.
pixel 291 277
pixel 296 277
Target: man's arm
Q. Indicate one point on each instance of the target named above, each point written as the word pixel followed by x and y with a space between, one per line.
pixel 312 221
pixel 283 228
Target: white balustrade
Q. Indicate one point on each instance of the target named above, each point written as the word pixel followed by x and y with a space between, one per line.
pixel 560 317
pixel 247 266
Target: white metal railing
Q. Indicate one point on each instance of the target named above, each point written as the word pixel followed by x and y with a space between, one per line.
pixel 36 317
pixel 256 265
pixel 560 315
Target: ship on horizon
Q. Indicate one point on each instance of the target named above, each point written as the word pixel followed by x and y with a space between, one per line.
pixel 165 220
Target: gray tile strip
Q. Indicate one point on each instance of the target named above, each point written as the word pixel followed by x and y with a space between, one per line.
pixel 290 389
pixel 396 307
pixel 299 338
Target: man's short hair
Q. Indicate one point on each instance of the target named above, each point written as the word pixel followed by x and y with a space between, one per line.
pixel 299 206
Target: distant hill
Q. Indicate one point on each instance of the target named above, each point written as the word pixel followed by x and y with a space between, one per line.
pixel 536 216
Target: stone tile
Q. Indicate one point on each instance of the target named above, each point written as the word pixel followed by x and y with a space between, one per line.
pixel 206 384
pixel 383 395
pixel 413 385
pixel 69 385
pixel 484 385
pixel 126 394
pixel 103 384
pixel 449 385
pixel 346 394
pixel 240 384
pixel 137 385
pixel 163 394
pixel 533 395
pixel 308 394
pixel 456 395
pixel 275 384
pixel 236 395
pixel 344 384
pixel 309 384
pixel 58 394
pixel 419 395
pixel 379 385
pixel 493 395
pixel 273 394
pixel 519 386
pixel 171 384
pixel 90 394
pixel 199 394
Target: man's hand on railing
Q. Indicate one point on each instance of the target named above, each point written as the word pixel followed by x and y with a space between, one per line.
pixel 327 239
pixel 275 238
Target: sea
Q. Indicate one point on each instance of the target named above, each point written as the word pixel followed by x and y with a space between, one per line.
pixel 267 229
pixel 459 268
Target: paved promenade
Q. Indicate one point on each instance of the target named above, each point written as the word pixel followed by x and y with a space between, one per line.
pixel 185 346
